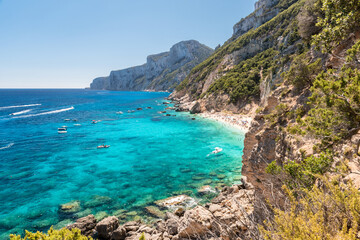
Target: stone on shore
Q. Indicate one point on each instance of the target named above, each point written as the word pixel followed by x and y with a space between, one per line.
pixel 176 202
pixel 196 108
pixel 119 234
pixel 106 227
pixel 85 224
pixel 206 190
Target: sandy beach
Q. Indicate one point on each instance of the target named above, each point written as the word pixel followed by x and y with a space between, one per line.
pixel 241 122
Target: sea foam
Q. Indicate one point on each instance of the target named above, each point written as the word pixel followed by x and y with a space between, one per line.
pixel 46 113
pixel 19 106
pixel 7 146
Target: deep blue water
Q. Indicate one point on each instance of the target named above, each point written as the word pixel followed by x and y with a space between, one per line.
pixel 151 156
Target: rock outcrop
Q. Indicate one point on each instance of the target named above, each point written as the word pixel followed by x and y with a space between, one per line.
pixel 264 11
pixel 228 216
pixel 161 72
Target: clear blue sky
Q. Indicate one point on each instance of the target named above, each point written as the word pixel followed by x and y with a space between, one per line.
pixel 67 43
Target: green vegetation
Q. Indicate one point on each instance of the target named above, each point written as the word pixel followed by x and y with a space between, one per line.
pixel 142 237
pixel 339 19
pixel 337 100
pixel 302 174
pixel 328 212
pixel 243 80
pixel 62 234
pixel 302 72
pixel 282 25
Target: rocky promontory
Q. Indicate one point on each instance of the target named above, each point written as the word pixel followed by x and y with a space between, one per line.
pixel 161 72
pixel 227 216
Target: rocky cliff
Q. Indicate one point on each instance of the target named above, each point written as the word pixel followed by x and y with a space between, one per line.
pixel 264 11
pixel 161 72
pixel 243 69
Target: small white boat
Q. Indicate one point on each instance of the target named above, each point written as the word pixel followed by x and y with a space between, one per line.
pixel 217 150
pixel 120 112
pixel 67 120
pixel 77 124
pixel 62 130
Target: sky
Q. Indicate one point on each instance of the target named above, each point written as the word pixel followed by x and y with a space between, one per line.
pixel 67 43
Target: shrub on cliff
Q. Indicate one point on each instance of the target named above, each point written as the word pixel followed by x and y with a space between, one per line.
pixel 297 175
pixel 328 212
pixel 336 101
pixel 302 72
pixel 340 18
pixel 63 234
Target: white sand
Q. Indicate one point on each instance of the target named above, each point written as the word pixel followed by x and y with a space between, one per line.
pixel 241 122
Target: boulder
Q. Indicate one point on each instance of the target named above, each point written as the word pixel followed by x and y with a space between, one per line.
pixel 176 202
pixel 206 190
pixel 85 224
pixel 106 227
pixel 119 234
pixel 195 223
pixel 196 108
pixel 172 226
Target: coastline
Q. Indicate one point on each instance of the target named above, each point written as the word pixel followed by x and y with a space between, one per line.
pixel 240 122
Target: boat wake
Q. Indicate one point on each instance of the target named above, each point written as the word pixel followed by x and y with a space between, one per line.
pixel 21 112
pixel 19 106
pixel 46 113
pixel 8 146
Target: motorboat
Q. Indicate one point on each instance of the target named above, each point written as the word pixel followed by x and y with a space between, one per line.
pixel 62 130
pixel 67 120
pixel 217 150
pixel 94 121
pixel 103 146
pixel 77 124
pixel 120 112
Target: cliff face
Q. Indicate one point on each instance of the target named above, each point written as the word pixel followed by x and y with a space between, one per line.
pixel 161 72
pixel 264 11
pixel 242 70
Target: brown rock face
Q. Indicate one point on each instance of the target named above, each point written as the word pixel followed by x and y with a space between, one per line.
pixel 85 224
pixel 119 234
pixel 106 227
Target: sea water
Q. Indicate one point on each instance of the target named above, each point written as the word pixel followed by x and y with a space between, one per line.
pixel 151 156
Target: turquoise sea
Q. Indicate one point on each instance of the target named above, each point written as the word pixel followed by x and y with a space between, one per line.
pixel 151 155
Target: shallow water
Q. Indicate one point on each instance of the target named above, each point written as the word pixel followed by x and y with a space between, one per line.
pixel 151 156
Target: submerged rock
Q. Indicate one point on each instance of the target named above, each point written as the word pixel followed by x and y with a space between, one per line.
pixel 132 213
pixel 97 201
pixel 70 207
pixel 84 213
pixel 221 176
pixel 63 223
pixel 197 178
pixel 121 213
pixel 212 174
pixel 155 211
pixel 101 215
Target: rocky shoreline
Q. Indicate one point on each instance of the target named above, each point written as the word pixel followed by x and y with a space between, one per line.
pixel 227 216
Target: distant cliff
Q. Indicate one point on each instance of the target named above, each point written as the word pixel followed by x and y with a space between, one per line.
pixel 161 72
